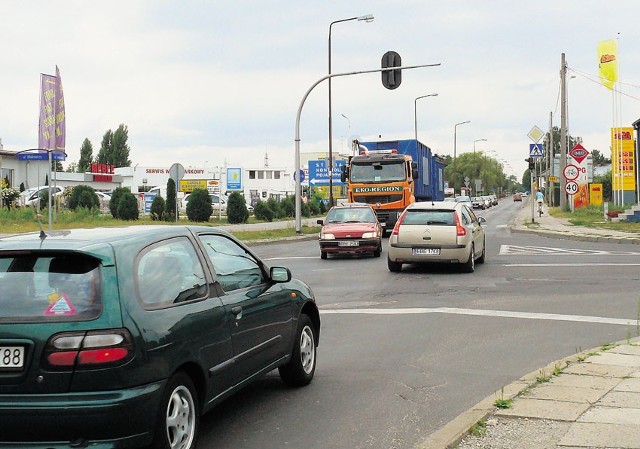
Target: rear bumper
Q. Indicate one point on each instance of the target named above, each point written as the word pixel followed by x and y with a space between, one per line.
pixel 108 419
pixel 448 254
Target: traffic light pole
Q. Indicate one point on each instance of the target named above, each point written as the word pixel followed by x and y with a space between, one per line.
pixel 297 137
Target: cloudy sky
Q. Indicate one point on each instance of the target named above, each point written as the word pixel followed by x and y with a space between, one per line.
pixel 213 83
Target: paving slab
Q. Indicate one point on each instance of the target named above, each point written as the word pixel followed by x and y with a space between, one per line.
pixel 566 393
pixel 625 399
pixel 626 349
pixel 545 409
pixel 593 369
pixel 584 381
pixel 596 435
pixel 610 358
pixel 611 415
pixel 632 385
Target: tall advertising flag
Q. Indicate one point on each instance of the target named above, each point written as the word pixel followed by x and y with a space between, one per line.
pixel 608 62
pixel 51 129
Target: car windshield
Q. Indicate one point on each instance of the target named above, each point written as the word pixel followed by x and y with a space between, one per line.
pixel 429 217
pixel 49 287
pixel 378 172
pixel 351 215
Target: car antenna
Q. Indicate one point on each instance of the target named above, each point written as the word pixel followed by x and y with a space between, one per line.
pixel 43 235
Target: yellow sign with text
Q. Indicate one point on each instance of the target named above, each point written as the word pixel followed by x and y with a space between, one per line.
pixel 189 185
pixel 595 194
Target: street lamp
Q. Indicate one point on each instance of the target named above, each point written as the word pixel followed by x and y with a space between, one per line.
pixel 474 147
pixel 455 138
pixel 415 113
pixel 365 18
pixel 349 125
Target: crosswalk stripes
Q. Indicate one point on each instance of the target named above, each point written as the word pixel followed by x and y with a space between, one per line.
pixel 516 250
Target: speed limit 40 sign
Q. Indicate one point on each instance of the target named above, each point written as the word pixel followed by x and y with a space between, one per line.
pixel 571 188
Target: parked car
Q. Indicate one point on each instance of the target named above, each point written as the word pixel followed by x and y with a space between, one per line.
pixel 437 232
pixel 350 228
pixel 494 200
pixel 517 196
pixel 488 201
pixel 122 337
pixel 217 202
pixel 478 202
pixel 31 197
pixel 104 199
pixel 465 199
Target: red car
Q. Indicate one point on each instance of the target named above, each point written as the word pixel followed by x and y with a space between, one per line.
pixel 517 197
pixel 350 229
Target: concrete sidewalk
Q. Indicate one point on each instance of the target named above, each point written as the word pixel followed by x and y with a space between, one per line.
pixel 589 400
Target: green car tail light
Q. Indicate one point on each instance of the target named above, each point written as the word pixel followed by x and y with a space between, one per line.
pixel 86 350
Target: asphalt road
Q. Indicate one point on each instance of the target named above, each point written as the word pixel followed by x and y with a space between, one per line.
pixel 401 354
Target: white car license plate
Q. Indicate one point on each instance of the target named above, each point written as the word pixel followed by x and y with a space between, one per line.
pixel 348 243
pixel 426 251
pixel 11 357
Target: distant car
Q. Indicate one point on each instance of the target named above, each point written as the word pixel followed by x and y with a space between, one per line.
pixel 450 198
pixel 465 199
pixel 517 196
pixel 217 202
pixel 350 229
pixel 488 201
pixel 31 197
pixel 494 200
pixel 439 232
pixel 478 202
pixel 104 199
pixel 122 337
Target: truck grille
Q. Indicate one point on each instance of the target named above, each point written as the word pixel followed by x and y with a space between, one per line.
pixel 373 199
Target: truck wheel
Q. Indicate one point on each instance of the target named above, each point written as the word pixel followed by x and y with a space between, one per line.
pixel 395 267
pixel 300 369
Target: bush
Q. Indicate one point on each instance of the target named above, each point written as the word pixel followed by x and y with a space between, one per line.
pixel 262 211
pixel 10 197
pixel 289 206
pixel 157 208
pixel 237 209
pixel 83 196
pixel 276 207
pixel 115 200
pixel 170 201
pixel 199 206
pixel 127 207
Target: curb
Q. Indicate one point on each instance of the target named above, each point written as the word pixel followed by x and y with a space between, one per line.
pixel 459 427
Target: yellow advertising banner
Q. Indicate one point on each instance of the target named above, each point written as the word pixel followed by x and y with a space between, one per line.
pixel 608 62
pixel 189 185
pixel 595 194
pixel 623 163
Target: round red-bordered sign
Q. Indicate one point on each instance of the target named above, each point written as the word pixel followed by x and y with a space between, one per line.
pixel 571 172
pixel 571 188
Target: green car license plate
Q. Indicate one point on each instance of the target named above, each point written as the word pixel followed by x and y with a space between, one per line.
pixel 11 357
pixel 426 251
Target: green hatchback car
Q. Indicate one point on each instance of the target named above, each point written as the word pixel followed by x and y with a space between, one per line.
pixel 123 337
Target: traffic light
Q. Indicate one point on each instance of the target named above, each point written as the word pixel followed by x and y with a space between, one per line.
pixel 532 163
pixel 391 79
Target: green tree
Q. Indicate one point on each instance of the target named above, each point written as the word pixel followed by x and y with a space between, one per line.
pixel 199 207
pixel 237 209
pixel 262 211
pixel 83 196
pixel 157 208
pixel 57 166
pixel 170 201
pixel 105 155
pixel 115 199
pixel 119 147
pixel 86 156
pixel 598 158
pixel 127 207
pixel 72 167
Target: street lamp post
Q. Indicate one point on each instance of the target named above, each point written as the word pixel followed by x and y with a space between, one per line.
pixel 349 127
pixel 415 113
pixel 455 140
pixel 474 160
pixel 366 18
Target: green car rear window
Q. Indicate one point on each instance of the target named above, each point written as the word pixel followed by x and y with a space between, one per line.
pixel 429 217
pixel 49 287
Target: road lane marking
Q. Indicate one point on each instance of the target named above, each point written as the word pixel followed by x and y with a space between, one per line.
pixel 486 313
pixel 596 264
pixel 508 250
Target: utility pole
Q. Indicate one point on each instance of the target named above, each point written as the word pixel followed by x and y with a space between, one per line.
pixel 550 163
pixel 563 131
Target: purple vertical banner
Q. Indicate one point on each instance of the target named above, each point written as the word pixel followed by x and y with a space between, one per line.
pixel 47 124
pixel 59 111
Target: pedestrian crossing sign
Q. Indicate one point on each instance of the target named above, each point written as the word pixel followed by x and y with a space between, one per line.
pixel 535 150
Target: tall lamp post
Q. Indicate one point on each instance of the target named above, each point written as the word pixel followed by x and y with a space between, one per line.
pixel 455 142
pixel 474 160
pixel 366 18
pixel 415 113
pixel 349 127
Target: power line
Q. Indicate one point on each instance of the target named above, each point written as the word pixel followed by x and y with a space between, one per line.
pixel 596 79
